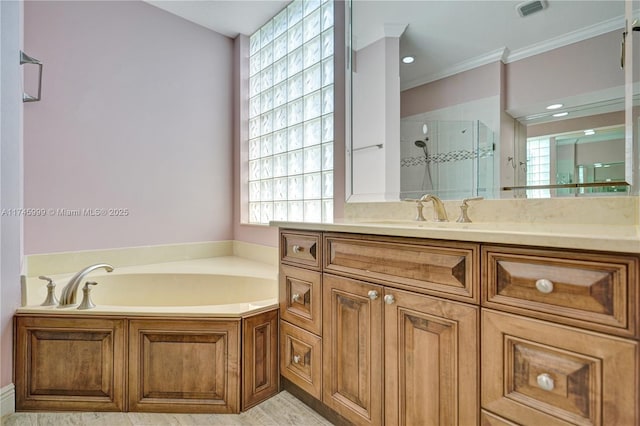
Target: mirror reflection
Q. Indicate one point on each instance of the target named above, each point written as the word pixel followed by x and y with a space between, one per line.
pixel 450 97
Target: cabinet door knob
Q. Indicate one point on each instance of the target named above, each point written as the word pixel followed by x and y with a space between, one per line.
pixel 297 249
pixel 295 297
pixel 373 295
pixel 544 286
pixel 389 299
pixel 296 359
pixel 545 382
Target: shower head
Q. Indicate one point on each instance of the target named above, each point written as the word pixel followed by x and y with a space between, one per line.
pixel 420 144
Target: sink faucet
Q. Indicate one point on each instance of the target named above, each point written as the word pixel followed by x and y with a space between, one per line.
pixel 439 212
pixel 69 291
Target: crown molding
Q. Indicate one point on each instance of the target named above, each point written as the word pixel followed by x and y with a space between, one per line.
pixel 469 64
pixel 591 31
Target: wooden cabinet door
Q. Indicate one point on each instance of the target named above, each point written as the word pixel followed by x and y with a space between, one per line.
pixel 352 327
pixel 69 364
pixel 431 361
pixel 260 378
pixel 187 365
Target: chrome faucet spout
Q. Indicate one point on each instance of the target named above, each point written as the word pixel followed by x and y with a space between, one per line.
pixel 439 211
pixel 69 292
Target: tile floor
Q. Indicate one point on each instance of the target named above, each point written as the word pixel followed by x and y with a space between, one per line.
pixel 281 410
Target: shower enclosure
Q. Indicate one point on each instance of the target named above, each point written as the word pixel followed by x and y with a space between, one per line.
pixel 451 159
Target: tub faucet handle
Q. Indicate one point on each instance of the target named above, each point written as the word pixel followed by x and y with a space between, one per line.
pixel 86 296
pixel 464 217
pixel 51 299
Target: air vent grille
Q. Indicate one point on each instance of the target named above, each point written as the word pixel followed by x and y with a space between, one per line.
pixel 526 9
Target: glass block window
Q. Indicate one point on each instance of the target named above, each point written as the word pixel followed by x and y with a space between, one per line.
pixel 291 115
pixel 538 166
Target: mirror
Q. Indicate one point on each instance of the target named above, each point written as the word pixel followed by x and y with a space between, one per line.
pixel 454 97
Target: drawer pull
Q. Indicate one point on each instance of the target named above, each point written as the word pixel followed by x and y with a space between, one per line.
pixel 545 382
pixel 373 295
pixel 296 298
pixel 389 299
pixel 544 286
pixel 297 249
pixel 296 359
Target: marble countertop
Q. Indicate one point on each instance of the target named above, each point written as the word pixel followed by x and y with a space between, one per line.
pixel 623 238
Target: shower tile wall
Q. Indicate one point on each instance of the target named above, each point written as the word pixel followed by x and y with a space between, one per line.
pixel 460 162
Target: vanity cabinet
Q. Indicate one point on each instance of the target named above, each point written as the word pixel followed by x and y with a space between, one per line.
pixel 387 349
pixel 435 332
pixel 300 289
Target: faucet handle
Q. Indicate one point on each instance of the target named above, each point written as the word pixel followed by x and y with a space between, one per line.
pixel 51 299
pixel 464 217
pixel 419 216
pixel 86 296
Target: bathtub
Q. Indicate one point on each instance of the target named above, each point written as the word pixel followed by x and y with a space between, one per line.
pixel 167 337
pixel 223 286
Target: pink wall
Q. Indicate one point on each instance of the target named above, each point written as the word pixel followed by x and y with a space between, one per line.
pixel 136 114
pixel 478 83
pixel 534 79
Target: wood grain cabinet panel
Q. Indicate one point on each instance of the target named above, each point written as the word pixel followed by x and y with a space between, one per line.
pixel 190 364
pixel 260 378
pixel 301 358
pixel 65 364
pixel 449 269
pixel 353 349
pixel 595 291
pixel 536 372
pixel 301 297
pixel 431 361
pixel 301 248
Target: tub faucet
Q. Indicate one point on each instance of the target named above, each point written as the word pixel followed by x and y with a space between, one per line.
pixel 439 212
pixel 68 297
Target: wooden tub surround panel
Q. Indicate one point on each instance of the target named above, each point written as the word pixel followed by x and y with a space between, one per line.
pixel 87 363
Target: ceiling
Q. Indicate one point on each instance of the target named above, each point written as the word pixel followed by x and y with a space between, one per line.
pixel 446 36
pixel 228 18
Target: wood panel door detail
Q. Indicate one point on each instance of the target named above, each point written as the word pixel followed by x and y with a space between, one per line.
pixel 536 372
pixel 191 364
pixel 259 358
pixel 352 349
pixel 63 364
pixel 431 361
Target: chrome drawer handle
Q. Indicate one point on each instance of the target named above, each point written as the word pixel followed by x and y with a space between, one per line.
pixel 297 249
pixel 296 359
pixel 373 295
pixel 544 286
pixel 295 297
pixel 545 382
pixel 389 299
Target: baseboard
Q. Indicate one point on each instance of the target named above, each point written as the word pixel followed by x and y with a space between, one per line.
pixel 7 400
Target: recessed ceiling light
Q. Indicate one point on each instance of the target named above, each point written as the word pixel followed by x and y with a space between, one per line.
pixel 589 132
pixel 555 106
pixel 408 59
pixel 560 114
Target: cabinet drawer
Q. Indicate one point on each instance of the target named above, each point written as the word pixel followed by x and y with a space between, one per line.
pixel 301 358
pixel 301 297
pixel 535 372
pixel 490 419
pixel 440 268
pixel 588 290
pixel 301 248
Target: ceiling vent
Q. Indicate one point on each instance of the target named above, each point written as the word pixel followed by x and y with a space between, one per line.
pixel 527 8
